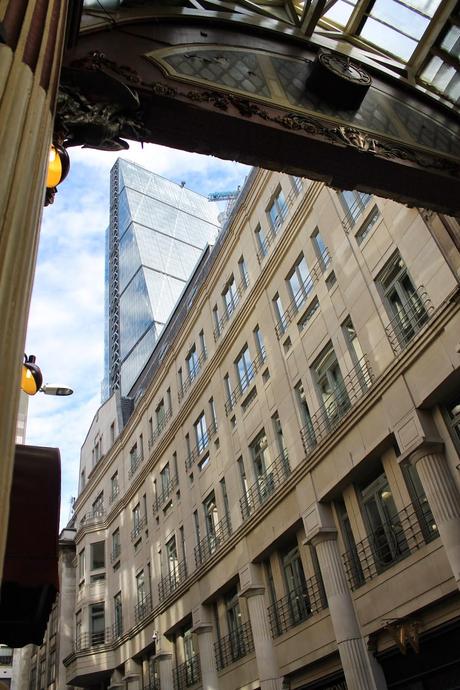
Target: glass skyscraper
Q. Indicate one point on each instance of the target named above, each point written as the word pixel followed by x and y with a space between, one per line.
pixel 157 232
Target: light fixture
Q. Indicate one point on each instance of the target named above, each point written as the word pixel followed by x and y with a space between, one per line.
pixel 56 389
pixel 32 378
pixel 58 166
pixel 386 494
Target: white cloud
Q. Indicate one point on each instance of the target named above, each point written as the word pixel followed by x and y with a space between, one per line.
pixel 66 323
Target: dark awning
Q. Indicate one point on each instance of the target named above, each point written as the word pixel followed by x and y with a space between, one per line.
pixel 30 576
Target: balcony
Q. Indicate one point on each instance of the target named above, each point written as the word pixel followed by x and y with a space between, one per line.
pixel 138 527
pixel 201 446
pixel 135 461
pixel 273 231
pixel 229 311
pixel 245 383
pixel 334 408
pixel 234 646
pixel 408 531
pixel 410 319
pixel 187 383
pixel 161 426
pixel 94 517
pixel 187 675
pixel 165 493
pixel 212 542
pixel 355 210
pixel 300 298
pixel 297 606
pixel 115 555
pixel 266 485
pixel 88 640
pixel 143 608
pixel 172 580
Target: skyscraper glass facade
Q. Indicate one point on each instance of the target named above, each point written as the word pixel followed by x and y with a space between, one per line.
pixel 158 230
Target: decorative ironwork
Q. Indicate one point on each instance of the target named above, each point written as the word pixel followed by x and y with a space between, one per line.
pixel 334 408
pixel 172 580
pixel 137 529
pixel 187 674
pixel 236 645
pixel 408 531
pixel 161 426
pixel 297 606
pixel 246 380
pixel 201 446
pixel 143 608
pixel 266 485
pixel 228 313
pixel 212 542
pixel 135 461
pixel 410 319
pixel 302 295
pixel 165 493
pixel 186 384
pixel 88 640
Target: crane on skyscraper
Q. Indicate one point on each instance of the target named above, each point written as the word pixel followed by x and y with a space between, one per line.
pixel 229 197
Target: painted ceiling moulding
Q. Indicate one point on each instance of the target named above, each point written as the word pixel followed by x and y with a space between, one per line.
pixel 149 81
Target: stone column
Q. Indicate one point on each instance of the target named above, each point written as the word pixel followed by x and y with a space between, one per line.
pixel 266 658
pixel 361 669
pixel 66 605
pixel 133 673
pixel 203 629
pixel 30 61
pixel 444 498
pixel 165 670
pixel 116 681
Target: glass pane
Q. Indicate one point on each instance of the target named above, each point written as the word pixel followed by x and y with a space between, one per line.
pixel 389 39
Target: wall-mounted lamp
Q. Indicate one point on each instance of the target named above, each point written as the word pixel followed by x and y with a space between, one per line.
pixel 32 380
pixel 58 168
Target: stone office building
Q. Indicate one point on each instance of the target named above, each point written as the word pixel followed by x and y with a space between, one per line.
pixel 281 508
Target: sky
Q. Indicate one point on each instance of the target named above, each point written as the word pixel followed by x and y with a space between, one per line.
pixel 66 320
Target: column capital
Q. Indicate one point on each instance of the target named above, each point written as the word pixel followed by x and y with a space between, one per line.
pixel 320 535
pixel 202 627
pixel 426 448
pixel 162 656
pixel 252 590
pixel 318 521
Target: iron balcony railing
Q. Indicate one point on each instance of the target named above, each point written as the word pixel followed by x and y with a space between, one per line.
pixel 116 551
pixel 230 310
pixel 165 493
pixel 409 320
pixel 321 424
pixel 273 231
pixel 246 381
pixel 87 640
pixel 201 446
pixel 302 295
pixel 143 608
pixel 137 529
pixel 153 684
pixel 115 493
pixel 207 546
pixel 266 485
pixel 160 427
pixel 193 375
pixel 355 210
pixel 236 645
pixel 187 674
pixel 172 580
pixel 394 540
pixel 297 606
pixel 135 461
pixel 94 517
pixel 117 629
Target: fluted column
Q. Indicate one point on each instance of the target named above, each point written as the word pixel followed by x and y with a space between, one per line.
pixel 209 680
pixel 267 663
pixel 30 62
pixel 444 499
pixel 133 675
pixel 165 670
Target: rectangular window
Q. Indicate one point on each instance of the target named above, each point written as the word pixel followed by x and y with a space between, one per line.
pixel 300 282
pixel 160 415
pixel 261 242
pixel 321 251
pixel 196 522
pixel 367 226
pixel 201 433
pixel 165 478
pixel 133 458
pixel 183 542
pixel 140 588
pixel 223 488
pixel 244 275
pixel 112 433
pixel 296 586
pixel 260 346
pixel 354 204
pixel 116 544
pixel 296 183
pixel 98 505
pixel 137 517
pixel 278 431
pixel 277 211
pixel 52 667
pixel 279 314
pixel 97 555
pixel 42 674
pixel 244 369
pixel 210 514
pixel 203 350
pixel 114 486
pixel 193 365
pixel 217 323
pixel 308 433
pixel 118 615
pixel 331 280
pixel 81 565
pixel 330 384
pixel 308 315
pixel 172 559
pixel 244 480
pixel 97 623
pixel 168 402
pixel 230 297
pixel 260 454
pixel 212 409
pixel 82 480
pixel 181 381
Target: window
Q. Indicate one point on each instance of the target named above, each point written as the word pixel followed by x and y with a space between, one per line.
pixel 330 384
pixel 168 402
pixel 181 381
pixel 140 588
pixel 261 241
pixel 137 518
pixel 196 522
pixel 279 313
pixel 300 282
pixel 97 555
pixel 202 345
pixel 78 624
pixel 259 340
pixel 133 459
pixel 97 623
pixel 42 674
pixel 420 502
pixel 193 365
pixel 201 433
pixel 260 455
pixel 356 353
pixel 278 431
pixel 98 505
pixel 210 514
pixel 296 586
pixel 234 623
pixel 212 409
pixel 118 615
pixel 183 542
pixel 82 480
pixel 230 297
pixel 277 211
pixel 228 390
pixel 112 433
pixel 405 306
pixel 308 315
pixel 51 667
pixel 243 478
pixel 172 559
pixel 160 415
pixel 367 226
pixel 223 488
pixel 321 251
pixel 244 275
pixel 354 204
pixel 165 479
pixel 116 544
pixel 331 280
pixel 308 433
pixel 217 323
pixel 296 183
pixel 244 369
pixel 81 565
pixel 114 486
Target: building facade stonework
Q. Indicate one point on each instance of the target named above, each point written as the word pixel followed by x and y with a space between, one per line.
pixel 282 507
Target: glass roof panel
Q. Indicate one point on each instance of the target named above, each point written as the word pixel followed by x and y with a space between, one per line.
pixel 340 12
pixel 401 18
pixel 451 42
pixel 389 39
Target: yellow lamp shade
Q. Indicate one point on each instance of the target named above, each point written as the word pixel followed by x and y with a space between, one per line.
pixel 54 168
pixel 32 379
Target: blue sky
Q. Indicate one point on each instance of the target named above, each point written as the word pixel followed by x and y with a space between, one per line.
pixel 66 321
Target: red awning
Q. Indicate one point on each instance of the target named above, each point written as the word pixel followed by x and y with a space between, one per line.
pixel 30 576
